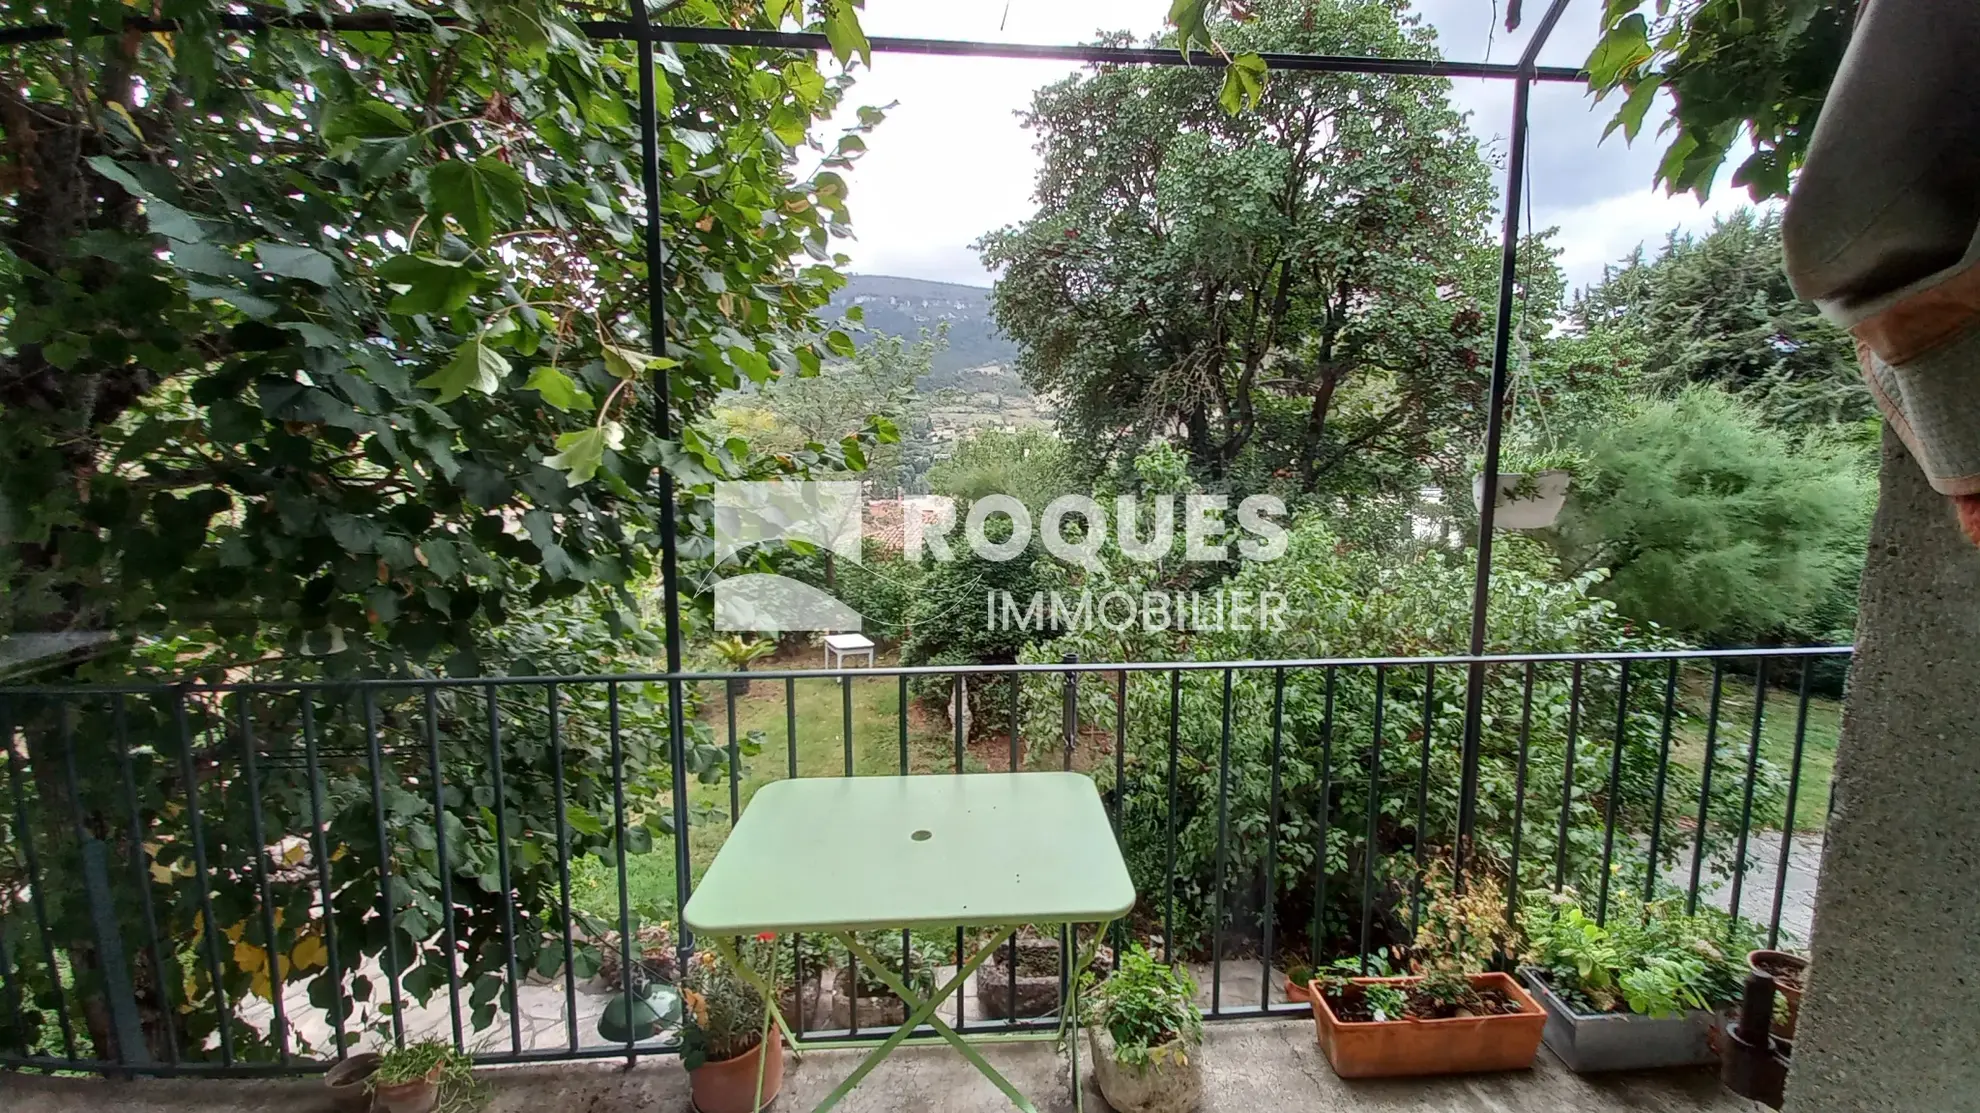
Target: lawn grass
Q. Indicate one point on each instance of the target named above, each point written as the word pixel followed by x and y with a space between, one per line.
pixel 820 749
pixel 1777 732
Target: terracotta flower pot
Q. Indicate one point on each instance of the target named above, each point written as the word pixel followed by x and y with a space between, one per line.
pixel 729 1086
pixel 1777 964
pixel 349 1082
pixel 416 1096
pixel 1460 1045
pixel 1297 992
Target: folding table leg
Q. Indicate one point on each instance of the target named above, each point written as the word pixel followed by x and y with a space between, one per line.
pixel 924 1012
pixel 1071 1016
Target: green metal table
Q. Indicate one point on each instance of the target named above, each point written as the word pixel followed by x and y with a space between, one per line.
pixel 842 855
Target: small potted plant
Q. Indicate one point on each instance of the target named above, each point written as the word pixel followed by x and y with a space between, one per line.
pixel 1298 976
pixel 428 1076
pixel 1531 487
pixel 732 1050
pixel 349 1082
pixel 1451 1017
pixel 1790 974
pixel 1641 990
pixel 1144 1033
pixel 738 654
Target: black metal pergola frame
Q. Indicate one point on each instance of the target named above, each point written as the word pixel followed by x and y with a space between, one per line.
pixel 1523 74
pixel 641 29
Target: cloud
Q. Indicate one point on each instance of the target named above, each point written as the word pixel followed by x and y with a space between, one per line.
pixel 1603 231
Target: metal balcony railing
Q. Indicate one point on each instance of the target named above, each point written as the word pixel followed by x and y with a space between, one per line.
pixel 473 859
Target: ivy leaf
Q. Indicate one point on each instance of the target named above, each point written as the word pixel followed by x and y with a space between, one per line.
pixel 1630 116
pixel 474 366
pixel 843 32
pixel 172 222
pixel 434 285
pixel 558 389
pixel 752 364
pixel 371 119
pixel 1191 19
pixel 109 168
pixel 1244 83
pixel 290 261
pixel 473 193
pixel 258 308
pixel 579 454
pixel 1626 45
pixel 805 82
pixel 628 363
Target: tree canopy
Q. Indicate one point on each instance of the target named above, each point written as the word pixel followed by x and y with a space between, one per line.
pixel 1717 526
pixel 336 342
pixel 326 353
pixel 1718 309
pixel 1305 281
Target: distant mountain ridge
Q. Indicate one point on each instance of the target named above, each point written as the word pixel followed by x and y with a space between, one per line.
pixel 906 307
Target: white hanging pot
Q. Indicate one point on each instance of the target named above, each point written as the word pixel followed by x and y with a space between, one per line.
pixel 1524 502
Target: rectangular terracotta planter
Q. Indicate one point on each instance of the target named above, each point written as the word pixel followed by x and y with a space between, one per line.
pixel 1460 1045
pixel 1622 1041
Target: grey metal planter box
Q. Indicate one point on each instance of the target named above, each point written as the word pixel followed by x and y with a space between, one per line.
pixel 1621 1041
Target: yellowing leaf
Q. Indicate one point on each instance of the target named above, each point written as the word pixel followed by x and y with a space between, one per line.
pixel 627 363
pixel 309 953
pixel 250 956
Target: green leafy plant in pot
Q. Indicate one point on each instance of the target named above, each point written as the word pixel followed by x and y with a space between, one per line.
pixel 738 654
pixel 731 1048
pixel 425 1077
pixel 1639 989
pixel 1531 486
pixel 1144 1030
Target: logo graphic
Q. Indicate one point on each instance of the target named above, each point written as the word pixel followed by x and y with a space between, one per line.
pixel 829 517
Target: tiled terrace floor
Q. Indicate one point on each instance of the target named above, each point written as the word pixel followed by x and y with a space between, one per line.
pixel 1252 1066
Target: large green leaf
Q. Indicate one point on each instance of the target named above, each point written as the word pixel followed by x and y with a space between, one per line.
pixel 474 194
pixel 579 454
pixel 558 389
pixel 474 366
pixel 290 261
pixel 433 284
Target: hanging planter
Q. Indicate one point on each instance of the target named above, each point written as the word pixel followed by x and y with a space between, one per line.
pixel 1524 500
pixel 1529 489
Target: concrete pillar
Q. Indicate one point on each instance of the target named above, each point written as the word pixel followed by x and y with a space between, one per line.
pixel 1892 1017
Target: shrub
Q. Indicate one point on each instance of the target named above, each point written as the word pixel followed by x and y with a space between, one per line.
pixel 1343 603
pixel 1711 522
pixel 1149 1009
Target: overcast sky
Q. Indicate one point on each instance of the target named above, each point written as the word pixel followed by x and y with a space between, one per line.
pixel 951 161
